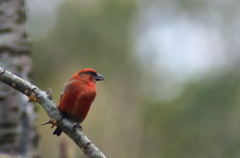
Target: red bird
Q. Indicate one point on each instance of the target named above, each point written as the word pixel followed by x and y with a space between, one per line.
pixel 78 95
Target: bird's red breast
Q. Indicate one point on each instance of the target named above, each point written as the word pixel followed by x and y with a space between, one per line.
pixel 79 93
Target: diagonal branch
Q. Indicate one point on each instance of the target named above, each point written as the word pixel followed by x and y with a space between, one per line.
pixel 36 94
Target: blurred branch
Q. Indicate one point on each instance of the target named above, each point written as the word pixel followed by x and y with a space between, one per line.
pixel 66 151
pixel 44 99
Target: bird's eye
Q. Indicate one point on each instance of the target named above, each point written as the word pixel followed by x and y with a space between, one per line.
pixel 92 73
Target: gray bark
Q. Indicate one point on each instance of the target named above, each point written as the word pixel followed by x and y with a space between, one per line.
pixel 18 136
pixel 45 99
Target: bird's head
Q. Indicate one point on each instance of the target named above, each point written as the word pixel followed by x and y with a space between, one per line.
pixel 89 74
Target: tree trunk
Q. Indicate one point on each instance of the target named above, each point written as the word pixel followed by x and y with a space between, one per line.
pixel 18 136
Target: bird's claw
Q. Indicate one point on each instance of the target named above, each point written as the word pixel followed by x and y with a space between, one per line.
pixel 64 115
pixel 77 127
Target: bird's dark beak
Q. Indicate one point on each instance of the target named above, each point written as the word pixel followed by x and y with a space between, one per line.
pixel 99 77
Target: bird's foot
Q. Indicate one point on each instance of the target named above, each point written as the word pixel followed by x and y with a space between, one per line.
pixel 77 127
pixel 64 115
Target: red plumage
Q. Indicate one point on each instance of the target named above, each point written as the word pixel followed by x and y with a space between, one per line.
pixel 78 95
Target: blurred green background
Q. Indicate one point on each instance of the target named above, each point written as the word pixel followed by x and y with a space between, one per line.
pixel 171 67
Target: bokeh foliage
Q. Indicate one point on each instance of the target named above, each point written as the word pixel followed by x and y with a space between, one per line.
pixel 202 122
pixel 124 122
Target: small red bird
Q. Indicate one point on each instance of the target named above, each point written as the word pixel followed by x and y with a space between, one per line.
pixel 78 95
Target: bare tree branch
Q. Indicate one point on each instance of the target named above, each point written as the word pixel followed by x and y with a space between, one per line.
pixel 36 94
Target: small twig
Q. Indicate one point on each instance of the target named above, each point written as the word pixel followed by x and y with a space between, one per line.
pixel 52 121
pixel 37 95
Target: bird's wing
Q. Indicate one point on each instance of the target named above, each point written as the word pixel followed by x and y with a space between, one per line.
pixel 67 86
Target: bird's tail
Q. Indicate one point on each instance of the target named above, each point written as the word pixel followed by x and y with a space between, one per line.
pixel 58 131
